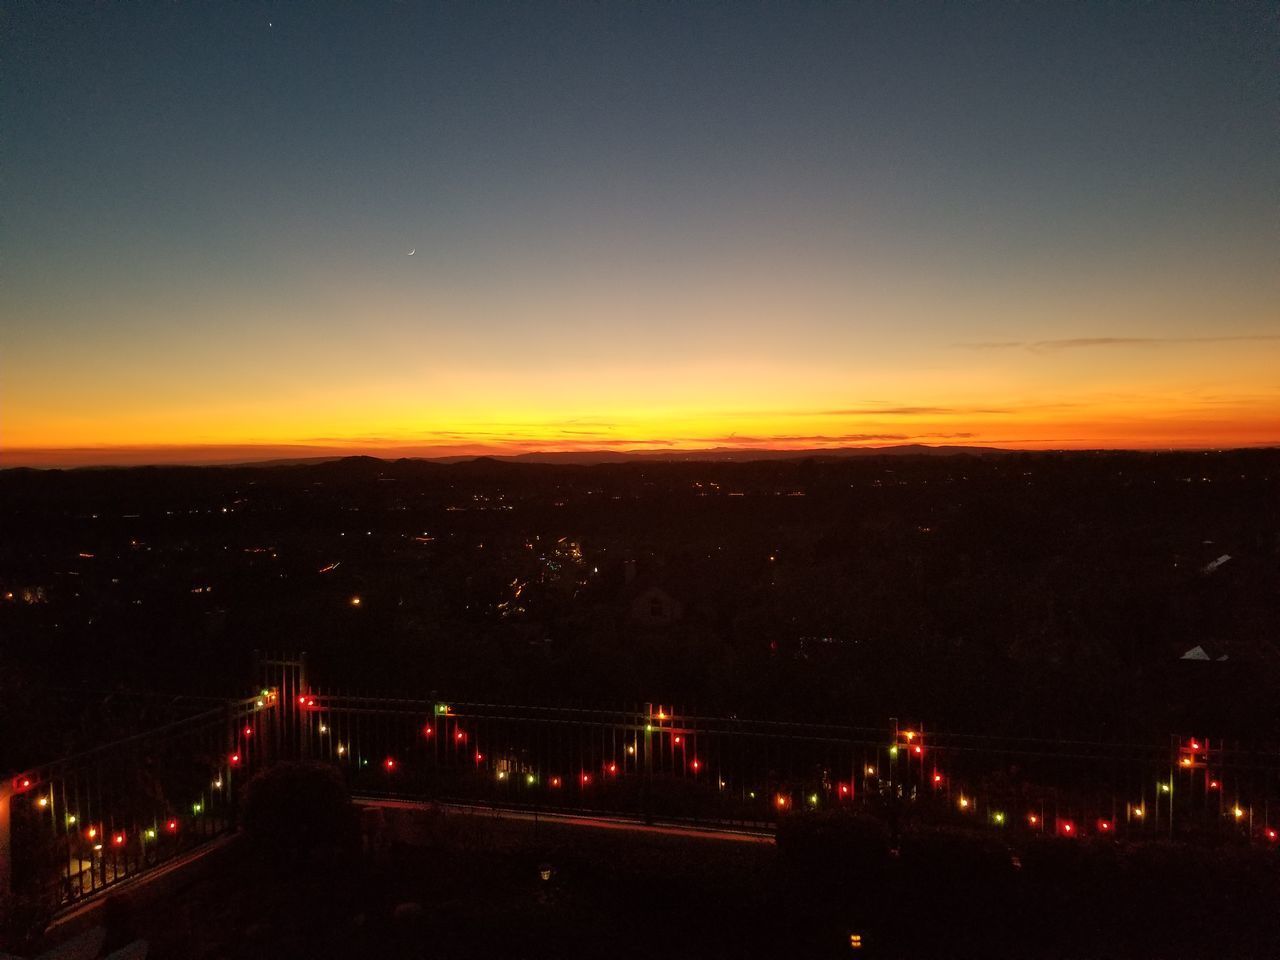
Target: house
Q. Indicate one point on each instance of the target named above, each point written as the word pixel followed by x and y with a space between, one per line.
pixel 654 607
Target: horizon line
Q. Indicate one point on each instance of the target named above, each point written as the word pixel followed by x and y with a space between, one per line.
pixel 246 455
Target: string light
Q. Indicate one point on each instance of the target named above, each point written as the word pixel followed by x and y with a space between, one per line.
pixel 695 764
pixel 197 807
pixel 42 802
pixel 118 839
pixel 1138 812
pixel 910 735
pixel 1213 784
pixel 91 833
pixel 71 819
pixel 586 779
pixel 555 781
pixel 428 731
pixel 341 750
pixel 1067 827
pixel 235 759
pixel 1032 819
pixel 918 750
pixel 1271 834
pixel 844 789
pixel 813 799
pixel 502 774
pixel 248 731
pixel 530 779
pixel 150 833
pixel 389 764
pixel 217 784
pixel 782 801
pixel 870 771
pixel 172 826
pixel 1104 826
pixel 1165 788
pixel 937 778
pixel 479 757
pixel 612 768
pixel 893 751
pixel 964 803
pixel 631 749
pixel 1237 812
pixel 997 818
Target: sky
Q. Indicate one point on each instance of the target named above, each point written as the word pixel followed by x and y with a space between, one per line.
pixel 634 226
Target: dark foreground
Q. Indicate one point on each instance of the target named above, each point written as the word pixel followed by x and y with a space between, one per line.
pixel 435 885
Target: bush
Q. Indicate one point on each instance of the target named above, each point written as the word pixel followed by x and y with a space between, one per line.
pixel 292 809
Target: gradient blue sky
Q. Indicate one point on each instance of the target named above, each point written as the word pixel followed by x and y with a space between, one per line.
pixel 636 224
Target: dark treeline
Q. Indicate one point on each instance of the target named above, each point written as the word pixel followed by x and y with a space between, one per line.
pixel 1038 593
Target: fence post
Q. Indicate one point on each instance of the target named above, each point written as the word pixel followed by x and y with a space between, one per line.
pixel 646 791
pixel 304 727
pixel 6 851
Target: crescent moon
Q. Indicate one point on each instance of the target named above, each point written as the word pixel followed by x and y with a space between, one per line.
pixel 413 251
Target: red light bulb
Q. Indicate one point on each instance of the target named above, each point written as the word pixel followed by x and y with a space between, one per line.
pixel 234 759
pixel 118 839
pixel 389 763
pixel 248 731
pixel 586 779
pixel 427 731
pixel 172 826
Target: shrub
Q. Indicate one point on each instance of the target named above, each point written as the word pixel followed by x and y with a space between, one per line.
pixel 294 808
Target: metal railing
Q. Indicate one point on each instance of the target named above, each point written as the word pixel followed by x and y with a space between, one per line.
pixel 75 827
pixel 663 764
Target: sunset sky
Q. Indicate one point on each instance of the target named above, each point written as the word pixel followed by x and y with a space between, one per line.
pixel 637 226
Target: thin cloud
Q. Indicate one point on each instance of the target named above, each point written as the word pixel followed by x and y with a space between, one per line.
pixel 907 411
pixel 1076 343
